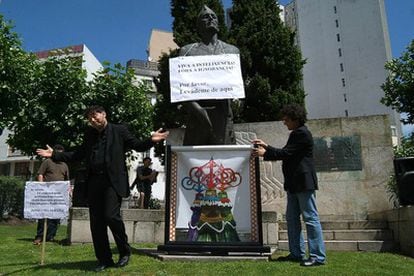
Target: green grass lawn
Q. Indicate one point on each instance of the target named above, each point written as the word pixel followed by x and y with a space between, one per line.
pixel 19 257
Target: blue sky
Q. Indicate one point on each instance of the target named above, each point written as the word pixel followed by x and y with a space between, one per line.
pixel 119 30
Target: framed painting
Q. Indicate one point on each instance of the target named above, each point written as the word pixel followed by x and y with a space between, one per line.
pixel 213 200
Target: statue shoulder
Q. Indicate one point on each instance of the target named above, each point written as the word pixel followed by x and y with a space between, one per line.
pixel 229 48
pixel 186 48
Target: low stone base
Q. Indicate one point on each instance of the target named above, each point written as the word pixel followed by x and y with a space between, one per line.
pixel 144 225
pixel 203 257
pixel 401 221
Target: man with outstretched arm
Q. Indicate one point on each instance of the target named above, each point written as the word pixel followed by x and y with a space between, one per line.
pixel 103 149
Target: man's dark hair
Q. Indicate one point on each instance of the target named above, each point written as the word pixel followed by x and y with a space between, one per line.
pixel 93 109
pixel 295 112
pixel 58 147
pixel 146 158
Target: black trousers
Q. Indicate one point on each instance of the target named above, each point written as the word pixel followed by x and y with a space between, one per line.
pixel 147 195
pixel 105 211
pixel 52 226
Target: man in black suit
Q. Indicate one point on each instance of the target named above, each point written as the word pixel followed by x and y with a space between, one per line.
pixel 103 148
pixel 300 184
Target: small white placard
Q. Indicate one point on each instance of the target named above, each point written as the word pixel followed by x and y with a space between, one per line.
pixel 46 200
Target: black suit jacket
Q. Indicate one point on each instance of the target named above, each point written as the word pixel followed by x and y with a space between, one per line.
pixel 118 141
pixel 297 157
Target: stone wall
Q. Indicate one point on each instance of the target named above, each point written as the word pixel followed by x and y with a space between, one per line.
pixel 148 226
pixel 401 222
pixel 141 225
pixel 346 194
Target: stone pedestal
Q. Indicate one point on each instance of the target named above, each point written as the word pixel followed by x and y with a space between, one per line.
pixel 144 225
pixel 401 222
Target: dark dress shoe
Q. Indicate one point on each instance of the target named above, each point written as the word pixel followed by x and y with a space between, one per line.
pixel 102 266
pixel 311 262
pixel 289 258
pixel 123 261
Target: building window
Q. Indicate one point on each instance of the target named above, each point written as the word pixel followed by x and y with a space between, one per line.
pixel 5 169
pixel 335 10
pixel 346 113
pixel 338 37
pixel 393 131
pixel 340 52
pixel 147 82
pixel 345 99
pixel 337 23
pixel 343 82
pixel 341 66
pixel 22 169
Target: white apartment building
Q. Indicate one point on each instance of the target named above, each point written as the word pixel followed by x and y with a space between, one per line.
pixel 346 45
pixel 89 62
pixel 13 162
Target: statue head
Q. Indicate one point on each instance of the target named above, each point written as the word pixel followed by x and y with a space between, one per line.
pixel 207 20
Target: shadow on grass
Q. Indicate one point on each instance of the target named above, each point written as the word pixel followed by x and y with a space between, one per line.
pixel 143 251
pixel 19 264
pixel 63 242
pixel 25 239
pixel 80 265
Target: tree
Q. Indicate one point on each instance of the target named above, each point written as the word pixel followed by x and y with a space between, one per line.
pixel 16 70
pixel 50 108
pixel 53 110
pixel 271 63
pixel 399 85
pixel 42 102
pixel 125 102
pixel 399 94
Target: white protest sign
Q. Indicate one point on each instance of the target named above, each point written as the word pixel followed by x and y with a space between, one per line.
pixel 206 77
pixel 46 200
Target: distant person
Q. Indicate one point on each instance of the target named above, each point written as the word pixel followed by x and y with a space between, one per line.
pixel 210 121
pixel 103 148
pixel 144 180
pixel 50 171
pixel 300 184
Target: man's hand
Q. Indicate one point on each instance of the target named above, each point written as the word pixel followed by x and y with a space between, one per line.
pixel 45 152
pixel 159 135
pixel 259 147
pixel 260 143
pixel 153 175
pixel 260 151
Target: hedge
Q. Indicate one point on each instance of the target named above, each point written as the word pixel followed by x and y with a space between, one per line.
pixel 11 196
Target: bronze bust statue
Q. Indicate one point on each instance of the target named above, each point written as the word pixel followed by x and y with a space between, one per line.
pixel 210 121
